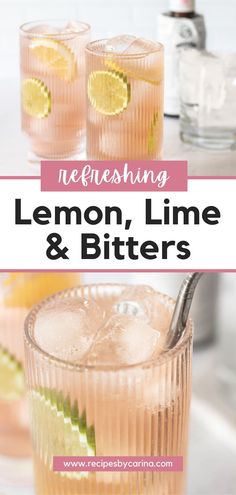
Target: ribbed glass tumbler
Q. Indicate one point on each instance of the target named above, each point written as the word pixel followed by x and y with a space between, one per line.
pixel 80 409
pixel 52 57
pixel 125 99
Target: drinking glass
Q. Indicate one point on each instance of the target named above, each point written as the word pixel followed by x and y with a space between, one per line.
pixel 53 87
pixel 208 99
pixel 100 384
pixel 18 292
pixel 125 99
pixel 226 366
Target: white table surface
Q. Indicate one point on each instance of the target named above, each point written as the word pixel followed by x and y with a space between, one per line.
pixel 13 152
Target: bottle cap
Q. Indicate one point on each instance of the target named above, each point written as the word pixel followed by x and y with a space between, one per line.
pixel 182 6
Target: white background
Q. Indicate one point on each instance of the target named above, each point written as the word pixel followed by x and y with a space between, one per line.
pixel 107 18
pixel 24 247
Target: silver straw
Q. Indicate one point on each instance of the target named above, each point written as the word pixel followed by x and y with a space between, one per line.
pixel 182 308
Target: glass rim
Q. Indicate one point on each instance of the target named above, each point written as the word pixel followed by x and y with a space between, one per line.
pixel 31 343
pixel 24 28
pixel 157 47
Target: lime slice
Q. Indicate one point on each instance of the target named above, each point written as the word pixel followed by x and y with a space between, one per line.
pixel 108 92
pixel 36 98
pixel 56 56
pixel 12 386
pixel 130 71
pixel 60 429
pixel 152 135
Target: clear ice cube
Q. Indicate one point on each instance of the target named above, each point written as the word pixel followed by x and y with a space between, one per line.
pixel 124 340
pixel 129 45
pixel 67 328
pixel 140 46
pixel 212 84
pixel 136 301
pixel 119 44
pixel 71 27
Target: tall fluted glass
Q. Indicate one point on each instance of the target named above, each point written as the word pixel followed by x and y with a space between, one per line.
pixel 52 57
pixel 107 410
pixel 125 99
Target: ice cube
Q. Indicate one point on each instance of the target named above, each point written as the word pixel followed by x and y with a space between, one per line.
pixel 128 44
pixel 135 301
pixel 67 328
pixel 140 46
pixel 159 394
pixel 145 303
pixel 71 27
pixel 212 91
pixel 119 44
pixel 124 340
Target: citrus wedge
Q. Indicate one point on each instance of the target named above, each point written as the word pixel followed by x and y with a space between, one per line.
pixel 25 289
pixel 152 135
pixel 56 56
pixel 60 429
pixel 108 92
pixel 36 98
pixel 129 70
pixel 12 385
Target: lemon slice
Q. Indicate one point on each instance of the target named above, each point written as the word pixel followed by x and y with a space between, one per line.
pixel 36 98
pixel 129 71
pixel 26 289
pixel 12 385
pixel 56 56
pixel 60 429
pixel 152 135
pixel 108 92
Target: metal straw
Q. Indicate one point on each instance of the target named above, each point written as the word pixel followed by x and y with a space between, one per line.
pixel 182 308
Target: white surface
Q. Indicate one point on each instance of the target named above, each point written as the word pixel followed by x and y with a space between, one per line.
pixel 13 156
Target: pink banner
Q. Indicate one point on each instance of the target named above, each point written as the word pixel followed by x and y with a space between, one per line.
pixel 118 463
pixel 114 176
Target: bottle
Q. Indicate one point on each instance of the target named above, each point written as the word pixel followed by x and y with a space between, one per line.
pixel 178 29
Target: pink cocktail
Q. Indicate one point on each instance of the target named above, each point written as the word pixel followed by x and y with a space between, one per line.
pixel 125 99
pixel 53 87
pixel 102 383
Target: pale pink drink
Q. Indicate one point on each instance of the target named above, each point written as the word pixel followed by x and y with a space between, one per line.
pixel 53 87
pixel 125 99
pixel 18 292
pixel 101 383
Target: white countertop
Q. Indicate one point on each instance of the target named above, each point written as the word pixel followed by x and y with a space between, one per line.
pixel 13 156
